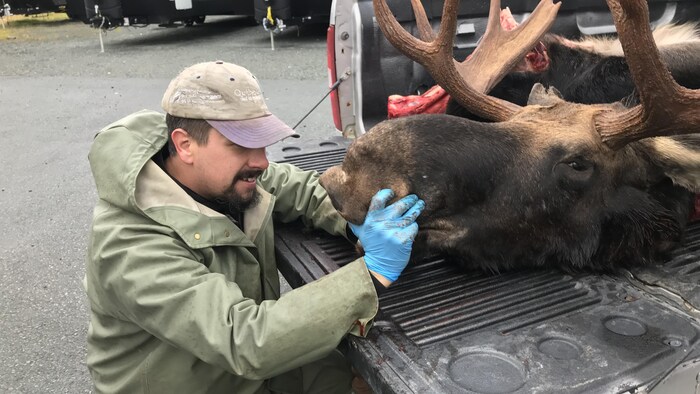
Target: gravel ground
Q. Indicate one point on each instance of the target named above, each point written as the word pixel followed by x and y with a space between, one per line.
pixel 56 91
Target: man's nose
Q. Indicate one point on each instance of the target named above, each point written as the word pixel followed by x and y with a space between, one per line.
pixel 258 159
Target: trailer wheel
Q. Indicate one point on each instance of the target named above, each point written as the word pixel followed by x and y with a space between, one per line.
pixel 189 22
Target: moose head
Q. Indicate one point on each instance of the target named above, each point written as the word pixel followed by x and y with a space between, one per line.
pixel 550 183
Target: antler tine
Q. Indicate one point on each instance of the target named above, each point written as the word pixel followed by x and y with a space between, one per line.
pixel 500 50
pixel 666 108
pixel 400 38
pixel 436 54
pixel 424 28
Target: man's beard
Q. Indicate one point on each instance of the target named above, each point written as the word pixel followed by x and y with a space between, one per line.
pixel 234 201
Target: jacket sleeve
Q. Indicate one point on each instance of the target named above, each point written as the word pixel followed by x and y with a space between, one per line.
pixel 298 194
pixel 143 273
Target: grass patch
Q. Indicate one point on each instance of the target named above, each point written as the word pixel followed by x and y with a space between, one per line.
pixel 20 26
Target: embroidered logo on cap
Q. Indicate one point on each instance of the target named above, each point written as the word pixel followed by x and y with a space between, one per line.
pixel 197 97
pixel 248 94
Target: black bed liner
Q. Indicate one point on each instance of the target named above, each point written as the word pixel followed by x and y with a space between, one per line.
pixel 441 329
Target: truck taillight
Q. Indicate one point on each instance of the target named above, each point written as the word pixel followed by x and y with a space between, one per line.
pixel 332 76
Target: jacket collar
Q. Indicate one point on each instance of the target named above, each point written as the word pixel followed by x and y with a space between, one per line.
pixel 160 198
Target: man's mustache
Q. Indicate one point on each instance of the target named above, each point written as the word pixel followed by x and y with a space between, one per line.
pixel 248 174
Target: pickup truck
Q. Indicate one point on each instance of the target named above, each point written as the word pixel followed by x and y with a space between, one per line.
pixel 441 329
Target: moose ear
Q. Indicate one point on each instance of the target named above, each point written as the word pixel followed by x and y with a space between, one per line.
pixel 678 157
pixel 539 95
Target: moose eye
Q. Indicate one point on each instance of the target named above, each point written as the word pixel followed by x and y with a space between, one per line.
pixel 574 173
pixel 577 165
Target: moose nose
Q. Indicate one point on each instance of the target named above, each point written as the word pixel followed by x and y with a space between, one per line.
pixel 331 181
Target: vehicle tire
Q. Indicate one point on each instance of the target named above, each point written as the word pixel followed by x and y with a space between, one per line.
pixel 200 19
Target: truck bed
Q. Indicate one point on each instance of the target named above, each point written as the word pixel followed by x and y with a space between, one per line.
pixel 443 329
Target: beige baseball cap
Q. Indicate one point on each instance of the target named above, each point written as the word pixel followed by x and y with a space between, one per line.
pixel 229 97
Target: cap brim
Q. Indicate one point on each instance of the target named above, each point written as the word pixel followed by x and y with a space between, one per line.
pixel 254 133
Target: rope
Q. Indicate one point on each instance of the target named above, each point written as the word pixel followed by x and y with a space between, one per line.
pixel 333 87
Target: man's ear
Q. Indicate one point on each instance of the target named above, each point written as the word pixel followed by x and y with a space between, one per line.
pixel 183 144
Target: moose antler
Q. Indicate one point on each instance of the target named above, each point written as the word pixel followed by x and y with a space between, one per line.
pixel 498 52
pixel 666 108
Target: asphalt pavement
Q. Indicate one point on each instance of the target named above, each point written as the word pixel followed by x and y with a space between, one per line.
pixel 56 91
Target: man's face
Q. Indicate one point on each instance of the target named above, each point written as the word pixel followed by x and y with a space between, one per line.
pixel 227 172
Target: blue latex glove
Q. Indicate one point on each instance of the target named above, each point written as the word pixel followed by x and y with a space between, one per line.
pixel 388 232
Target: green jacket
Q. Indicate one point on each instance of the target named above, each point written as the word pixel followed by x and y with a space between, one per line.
pixel 182 301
